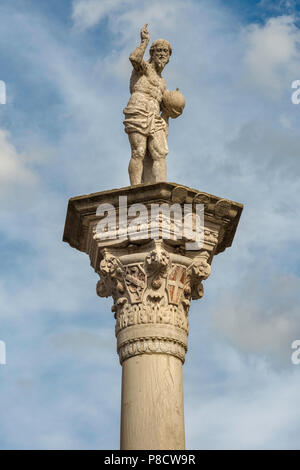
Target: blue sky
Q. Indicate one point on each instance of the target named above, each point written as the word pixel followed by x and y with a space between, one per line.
pixel 66 69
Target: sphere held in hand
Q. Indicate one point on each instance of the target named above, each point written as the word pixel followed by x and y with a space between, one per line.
pixel 173 103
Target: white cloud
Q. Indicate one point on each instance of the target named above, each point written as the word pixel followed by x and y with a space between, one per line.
pixel 272 54
pixel 14 168
pixel 126 17
pixel 87 13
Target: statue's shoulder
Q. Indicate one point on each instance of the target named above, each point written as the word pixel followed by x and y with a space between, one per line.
pixel 141 67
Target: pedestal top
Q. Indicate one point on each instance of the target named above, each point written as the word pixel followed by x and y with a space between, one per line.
pixel 82 209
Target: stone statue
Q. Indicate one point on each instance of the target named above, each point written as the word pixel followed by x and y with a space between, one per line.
pixel 148 111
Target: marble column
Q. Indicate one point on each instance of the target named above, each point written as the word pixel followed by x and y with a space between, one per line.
pixel 152 283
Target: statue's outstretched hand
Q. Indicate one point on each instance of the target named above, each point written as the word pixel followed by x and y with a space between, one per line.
pixel 145 36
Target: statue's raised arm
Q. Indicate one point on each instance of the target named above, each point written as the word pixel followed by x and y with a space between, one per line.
pixel 137 56
pixel 148 111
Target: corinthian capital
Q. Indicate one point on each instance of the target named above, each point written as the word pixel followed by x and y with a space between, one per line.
pixel 151 291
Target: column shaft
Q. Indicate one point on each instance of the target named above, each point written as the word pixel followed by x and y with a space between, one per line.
pixel 152 414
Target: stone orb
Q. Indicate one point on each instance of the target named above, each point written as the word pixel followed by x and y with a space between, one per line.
pixel 173 103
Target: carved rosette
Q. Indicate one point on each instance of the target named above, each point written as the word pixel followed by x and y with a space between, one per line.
pixel 151 300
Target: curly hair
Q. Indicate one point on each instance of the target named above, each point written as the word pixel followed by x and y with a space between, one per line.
pixel 160 41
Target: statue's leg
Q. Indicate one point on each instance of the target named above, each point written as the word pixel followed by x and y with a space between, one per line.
pixel 158 149
pixel 148 169
pixel 138 144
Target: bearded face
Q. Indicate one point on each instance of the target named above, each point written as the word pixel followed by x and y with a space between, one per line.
pixel 160 56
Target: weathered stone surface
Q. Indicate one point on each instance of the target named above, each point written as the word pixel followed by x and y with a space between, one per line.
pixel 152 282
pixel 82 219
pixel 148 111
pixel 151 291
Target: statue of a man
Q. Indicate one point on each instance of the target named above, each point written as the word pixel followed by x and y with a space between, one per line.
pixel 148 111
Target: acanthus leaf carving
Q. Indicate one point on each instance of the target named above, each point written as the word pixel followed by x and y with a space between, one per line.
pixel 111 281
pixel 103 288
pixel 198 271
pixel 153 292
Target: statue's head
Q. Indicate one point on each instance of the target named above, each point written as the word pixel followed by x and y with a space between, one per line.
pixel 160 52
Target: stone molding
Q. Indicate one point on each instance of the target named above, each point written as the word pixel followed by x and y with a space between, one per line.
pixel 151 338
pixel 221 215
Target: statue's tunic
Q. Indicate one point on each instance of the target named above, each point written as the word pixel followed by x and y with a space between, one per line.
pixel 142 113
